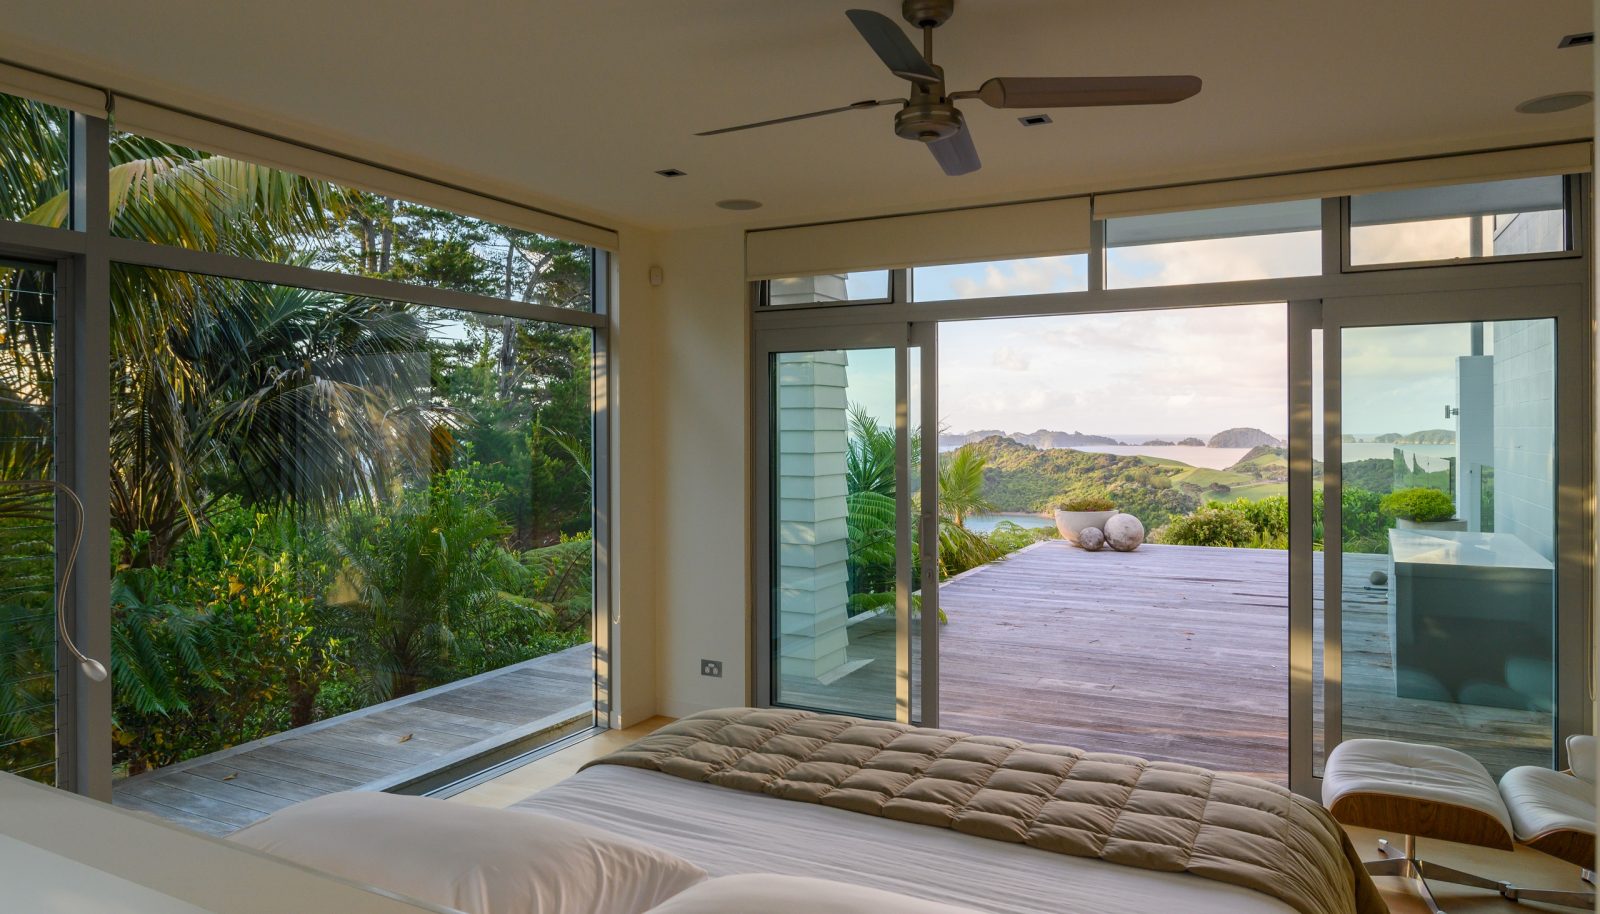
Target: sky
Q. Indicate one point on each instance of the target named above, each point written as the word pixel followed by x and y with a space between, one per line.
pixel 1167 373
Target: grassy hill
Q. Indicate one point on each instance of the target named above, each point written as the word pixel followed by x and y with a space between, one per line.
pixel 1020 477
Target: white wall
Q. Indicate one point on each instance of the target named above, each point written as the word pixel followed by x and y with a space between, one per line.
pixel 1525 432
pixel 700 342
pixel 632 390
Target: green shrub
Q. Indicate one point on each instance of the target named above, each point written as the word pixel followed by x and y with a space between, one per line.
pixel 1418 504
pixel 1089 501
pixel 1213 525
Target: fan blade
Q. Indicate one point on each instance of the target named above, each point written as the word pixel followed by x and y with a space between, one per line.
pixel 868 103
pixel 956 154
pixel 1083 91
pixel 892 46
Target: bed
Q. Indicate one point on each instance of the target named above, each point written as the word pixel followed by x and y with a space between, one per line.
pixel 678 792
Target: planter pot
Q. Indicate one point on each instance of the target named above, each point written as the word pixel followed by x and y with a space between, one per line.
pixel 1457 523
pixel 1070 522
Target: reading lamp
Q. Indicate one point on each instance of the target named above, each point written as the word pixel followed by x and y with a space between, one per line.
pixel 91 667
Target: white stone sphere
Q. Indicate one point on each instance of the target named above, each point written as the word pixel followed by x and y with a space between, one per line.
pixel 1124 532
pixel 1091 538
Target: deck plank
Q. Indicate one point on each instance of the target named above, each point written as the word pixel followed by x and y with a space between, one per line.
pixel 226 790
pixel 1168 652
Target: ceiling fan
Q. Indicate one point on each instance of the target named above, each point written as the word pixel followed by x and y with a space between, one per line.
pixel 930 116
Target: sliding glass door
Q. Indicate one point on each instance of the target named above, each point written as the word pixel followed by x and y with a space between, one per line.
pixel 1452 534
pixel 844 461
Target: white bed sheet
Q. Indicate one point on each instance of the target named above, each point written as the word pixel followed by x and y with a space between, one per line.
pixel 730 831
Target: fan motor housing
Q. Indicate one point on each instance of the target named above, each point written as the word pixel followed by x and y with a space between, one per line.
pixel 927 14
pixel 927 121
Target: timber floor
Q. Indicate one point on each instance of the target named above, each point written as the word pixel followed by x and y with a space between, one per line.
pixel 1177 653
pixel 375 748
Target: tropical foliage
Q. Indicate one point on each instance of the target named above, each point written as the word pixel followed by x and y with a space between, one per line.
pixel 317 500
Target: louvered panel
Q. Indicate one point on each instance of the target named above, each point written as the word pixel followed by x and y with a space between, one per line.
pixel 29 699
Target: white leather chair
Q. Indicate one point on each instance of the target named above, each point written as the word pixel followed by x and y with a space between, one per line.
pixel 1434 792
pixel 1554 811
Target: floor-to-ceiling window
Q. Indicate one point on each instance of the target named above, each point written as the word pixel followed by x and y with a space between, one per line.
pixel 353 534
pixel 1319 589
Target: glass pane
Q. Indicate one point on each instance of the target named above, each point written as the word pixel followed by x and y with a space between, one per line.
pixel 33 162
pixel 834 528
pixel 1493 219
pixel 1029 276
pixel 1261 241
pixel 168 194
pixel 1449 530
pixel 350 538
pixel 1177 649
pixel 27 524
pixel 830 287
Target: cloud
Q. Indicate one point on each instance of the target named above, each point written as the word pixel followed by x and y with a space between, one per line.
pixel 1152 372
pixel 1028 276
pixel 1010 359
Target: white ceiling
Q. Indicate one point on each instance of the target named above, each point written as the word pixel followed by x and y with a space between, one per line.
pixel 580 101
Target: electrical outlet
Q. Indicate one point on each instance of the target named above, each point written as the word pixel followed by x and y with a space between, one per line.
pixel 711 668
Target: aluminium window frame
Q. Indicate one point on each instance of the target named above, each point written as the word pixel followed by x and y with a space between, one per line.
pixel 1573 198
pixel 1312 301
pixel 83 252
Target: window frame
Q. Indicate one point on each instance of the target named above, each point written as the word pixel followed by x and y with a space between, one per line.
pixel 1571 211
pixel 83 250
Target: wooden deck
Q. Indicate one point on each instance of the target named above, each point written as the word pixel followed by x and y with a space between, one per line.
pixel 376 748
pixel 1169 652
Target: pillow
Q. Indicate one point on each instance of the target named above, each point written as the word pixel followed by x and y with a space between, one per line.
pixel 768 893
pixel 477 860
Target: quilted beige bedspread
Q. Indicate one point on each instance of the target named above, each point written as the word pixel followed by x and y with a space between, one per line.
pixel 1154 815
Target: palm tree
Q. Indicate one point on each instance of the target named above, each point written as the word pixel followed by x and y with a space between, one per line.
pixel 870 484
pixel 423 575
pixel 961 485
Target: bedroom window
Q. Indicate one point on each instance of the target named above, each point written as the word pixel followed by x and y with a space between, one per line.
pixel 351 538
pixel 33 161
pixel 191 198
pixel 28 697
pixel 829 288
pixel 1258 241
pixel 1025 276
pixel 1526 216
pixel 337 451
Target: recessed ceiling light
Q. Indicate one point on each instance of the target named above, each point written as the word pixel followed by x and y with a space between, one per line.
pixel 1550 104
pixel 1577 40
pixel 739 204
pixel 1034 120
pixel 671 173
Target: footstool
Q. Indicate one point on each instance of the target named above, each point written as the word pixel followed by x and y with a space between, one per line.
pixel 1422 791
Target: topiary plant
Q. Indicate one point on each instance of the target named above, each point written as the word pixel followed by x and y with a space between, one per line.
pixel 1093 501
pixel 1418 504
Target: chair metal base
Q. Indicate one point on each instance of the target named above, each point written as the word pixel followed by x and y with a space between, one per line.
pixel 1405 863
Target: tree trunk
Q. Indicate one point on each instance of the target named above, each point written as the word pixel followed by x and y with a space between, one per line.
pixel 508 331
pixel 386 249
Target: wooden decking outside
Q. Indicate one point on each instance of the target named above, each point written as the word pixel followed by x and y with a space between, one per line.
pixel 1169 652
pixel 376 748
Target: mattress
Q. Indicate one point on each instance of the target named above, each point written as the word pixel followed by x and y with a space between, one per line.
pixel 731 831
